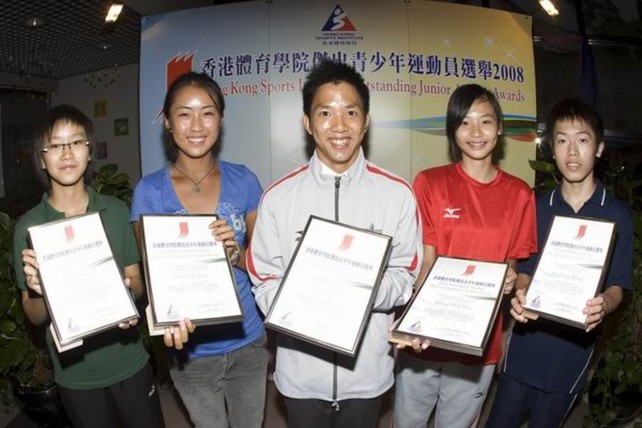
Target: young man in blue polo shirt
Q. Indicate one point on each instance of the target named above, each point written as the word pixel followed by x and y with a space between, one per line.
pixel 547 362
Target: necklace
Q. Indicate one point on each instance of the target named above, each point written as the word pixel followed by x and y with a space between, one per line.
pixel 196 188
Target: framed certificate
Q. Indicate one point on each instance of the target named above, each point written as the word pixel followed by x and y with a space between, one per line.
pixel 81 282
pixel 187 271
pixel 329 287
pixel 570 270
pixel 455 307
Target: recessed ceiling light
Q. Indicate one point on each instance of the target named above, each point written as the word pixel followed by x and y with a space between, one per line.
pixel 114 12
pixel 34 22
pixel 549 7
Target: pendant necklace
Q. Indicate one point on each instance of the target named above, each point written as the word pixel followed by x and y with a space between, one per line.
pixel 196 185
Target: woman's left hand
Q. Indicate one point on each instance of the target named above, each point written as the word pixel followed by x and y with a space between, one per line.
pixel 224 233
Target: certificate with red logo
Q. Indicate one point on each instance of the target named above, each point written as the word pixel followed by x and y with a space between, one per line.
pixel 455 307
pixel 570 270
pixel 188 273
pixel 81 282
pixel 329 287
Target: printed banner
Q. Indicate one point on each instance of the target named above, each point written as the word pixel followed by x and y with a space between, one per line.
pixel 412 55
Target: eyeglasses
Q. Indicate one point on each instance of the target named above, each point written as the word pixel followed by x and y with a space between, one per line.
pixel 59 148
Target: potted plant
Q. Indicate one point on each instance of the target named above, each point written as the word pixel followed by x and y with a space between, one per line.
pixel 615 389
pixel 108 181
pixel 25 368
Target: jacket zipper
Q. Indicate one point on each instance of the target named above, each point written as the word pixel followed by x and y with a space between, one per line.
pixel 335 403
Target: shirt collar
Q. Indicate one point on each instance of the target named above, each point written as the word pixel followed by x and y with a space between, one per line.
pixel 597 198
pixel 95 204
pixel 326 170
pixel 325 175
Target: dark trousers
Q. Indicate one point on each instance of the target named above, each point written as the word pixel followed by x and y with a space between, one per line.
pixel 131 403
pixel 516 402
pixel 356 413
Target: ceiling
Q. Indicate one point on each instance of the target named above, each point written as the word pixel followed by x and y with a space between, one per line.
pixel 74 38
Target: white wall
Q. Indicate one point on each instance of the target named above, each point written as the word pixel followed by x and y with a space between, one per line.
pixel 122 102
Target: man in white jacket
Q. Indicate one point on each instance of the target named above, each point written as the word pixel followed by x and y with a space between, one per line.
pixel 322 388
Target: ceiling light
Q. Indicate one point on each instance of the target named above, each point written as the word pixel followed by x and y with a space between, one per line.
pixel 34 22
pixel 114 11
pixel 549 7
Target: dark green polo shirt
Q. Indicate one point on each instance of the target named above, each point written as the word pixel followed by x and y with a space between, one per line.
pixel 111 356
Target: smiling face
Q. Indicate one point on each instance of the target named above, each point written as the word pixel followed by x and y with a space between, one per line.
pixel 338 124
pixel 477 134
pixel 194 122
pixel 575 149
pixel 67 167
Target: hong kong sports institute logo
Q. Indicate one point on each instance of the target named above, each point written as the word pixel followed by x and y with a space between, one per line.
pixel 338 21
pixel 339 30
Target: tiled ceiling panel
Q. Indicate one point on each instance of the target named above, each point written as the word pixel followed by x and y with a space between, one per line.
pixel 72 40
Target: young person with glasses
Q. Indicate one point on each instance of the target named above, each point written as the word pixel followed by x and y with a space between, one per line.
pixel 107 381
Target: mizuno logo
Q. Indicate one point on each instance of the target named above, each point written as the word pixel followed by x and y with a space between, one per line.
pixel 452 212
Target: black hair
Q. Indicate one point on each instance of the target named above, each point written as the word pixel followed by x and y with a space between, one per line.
pixel 58 115
pixel 460 102
pixel 574 109
pixel 331 71
pixel 199 80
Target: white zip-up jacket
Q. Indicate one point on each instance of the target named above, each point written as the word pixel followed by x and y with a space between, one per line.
pixel 369 198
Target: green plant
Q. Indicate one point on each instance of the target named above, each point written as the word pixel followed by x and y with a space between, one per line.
pixel 548 177
pixel 617 379
pixel 108 181
pixel 23 357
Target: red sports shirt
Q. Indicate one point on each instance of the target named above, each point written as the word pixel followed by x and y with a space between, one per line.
pixel 482 221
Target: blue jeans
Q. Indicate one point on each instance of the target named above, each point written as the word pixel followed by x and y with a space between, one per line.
pixel 225 389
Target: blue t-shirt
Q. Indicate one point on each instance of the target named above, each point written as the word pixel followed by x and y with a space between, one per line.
pixel 240 194
pixel 552 356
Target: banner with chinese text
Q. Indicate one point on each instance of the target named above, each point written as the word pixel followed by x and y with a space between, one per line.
pixel 413 54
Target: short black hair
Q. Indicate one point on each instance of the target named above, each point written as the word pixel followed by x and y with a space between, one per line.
pixel 460 102
pixel 574 109
pixel 330 71
pixel 61 114
pixel 199 80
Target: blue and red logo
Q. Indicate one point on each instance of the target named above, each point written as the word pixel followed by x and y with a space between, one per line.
pixel 338 21
pixel 338 30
